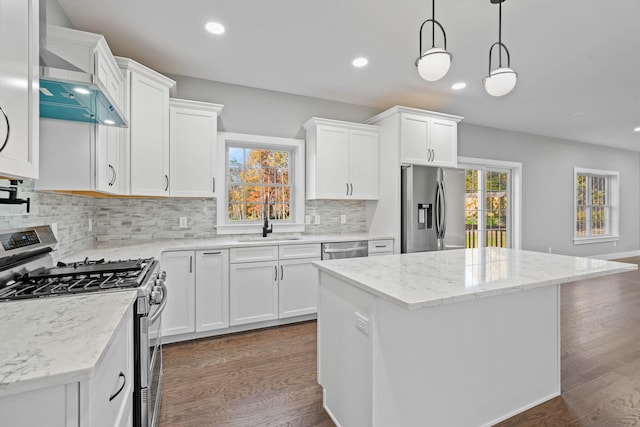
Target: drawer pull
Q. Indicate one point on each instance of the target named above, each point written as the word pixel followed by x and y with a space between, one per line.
pixel 381 246
pixel 124 381
pixel 212 253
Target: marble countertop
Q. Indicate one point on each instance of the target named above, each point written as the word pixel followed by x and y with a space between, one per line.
pixel 433 278
pixel 57 340
pixel 146 249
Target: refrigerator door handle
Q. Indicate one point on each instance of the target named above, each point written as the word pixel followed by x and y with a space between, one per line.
pixel 444 210
pixel 437 211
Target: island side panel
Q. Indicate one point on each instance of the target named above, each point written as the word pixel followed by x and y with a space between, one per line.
pixel 344 352
pixel 471 363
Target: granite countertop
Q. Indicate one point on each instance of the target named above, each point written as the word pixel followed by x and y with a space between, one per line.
pixel 57 340
pixel 146 249
pixel 433 278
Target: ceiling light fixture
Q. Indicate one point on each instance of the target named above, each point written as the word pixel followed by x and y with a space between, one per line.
pixel 637 129
pixel 214 28
pixel 502 80
pixel 435 62
pixel 458 86
pixel 360 62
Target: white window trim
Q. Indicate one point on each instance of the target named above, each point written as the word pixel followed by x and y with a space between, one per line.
pixel 516 190
pixel 297 188
pixel 614 196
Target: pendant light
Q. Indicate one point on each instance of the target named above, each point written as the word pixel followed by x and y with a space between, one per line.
pixel 502 80
pixel 435 62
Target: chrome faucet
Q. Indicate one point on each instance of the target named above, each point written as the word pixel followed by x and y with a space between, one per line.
pixel 266 228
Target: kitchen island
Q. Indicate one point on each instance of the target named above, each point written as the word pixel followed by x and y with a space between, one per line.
pixel 465 337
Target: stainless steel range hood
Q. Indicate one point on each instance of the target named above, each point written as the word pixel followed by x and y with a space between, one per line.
pixel 67 92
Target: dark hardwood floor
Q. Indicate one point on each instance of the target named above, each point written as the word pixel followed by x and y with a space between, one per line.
pixel 268 377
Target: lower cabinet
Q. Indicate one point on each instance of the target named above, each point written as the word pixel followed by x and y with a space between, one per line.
pixel 273 282
pixel 380 247
pixel 104 400
pixel 198 291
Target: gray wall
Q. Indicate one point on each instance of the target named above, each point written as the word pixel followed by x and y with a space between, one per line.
pixel 547 185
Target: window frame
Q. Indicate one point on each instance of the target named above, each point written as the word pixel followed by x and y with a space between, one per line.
pixel 613 193
pixel 296 178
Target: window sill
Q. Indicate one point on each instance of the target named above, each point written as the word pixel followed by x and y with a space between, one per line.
pixel 254 228
pixel 600 239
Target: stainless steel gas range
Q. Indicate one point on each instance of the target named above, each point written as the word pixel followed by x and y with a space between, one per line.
pixel 27 270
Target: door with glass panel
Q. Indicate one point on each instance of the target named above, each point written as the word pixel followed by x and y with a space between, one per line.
pixel 488 208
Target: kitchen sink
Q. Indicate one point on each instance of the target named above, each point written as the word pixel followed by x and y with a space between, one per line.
pixel 250 239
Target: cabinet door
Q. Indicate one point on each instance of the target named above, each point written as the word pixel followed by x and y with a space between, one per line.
pixel 178 316
pixel 193 146
pixel 414 133
pixel 212 289
pixel 332 162
pixel 149 130
pixel 444 142
pixel 363 164
pixel 298 290
pixel 108 159
pixel 19 82
pixel 253 293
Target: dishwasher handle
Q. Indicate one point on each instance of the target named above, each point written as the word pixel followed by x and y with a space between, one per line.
pixel 339 251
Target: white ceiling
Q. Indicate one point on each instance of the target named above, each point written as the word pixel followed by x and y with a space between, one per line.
pixel 578 60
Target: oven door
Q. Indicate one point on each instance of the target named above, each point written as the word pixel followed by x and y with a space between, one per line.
pixel 155 372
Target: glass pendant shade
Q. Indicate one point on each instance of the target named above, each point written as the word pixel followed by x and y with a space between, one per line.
pixel 434 64
pixel 500 81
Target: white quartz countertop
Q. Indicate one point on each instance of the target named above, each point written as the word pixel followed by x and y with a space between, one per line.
pixel 433 278
pixel 58 340
pixel 146 249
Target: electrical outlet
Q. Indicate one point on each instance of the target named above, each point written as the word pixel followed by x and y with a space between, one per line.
pixel 362 323
pixel 549 249
pixel 90 224
pixel 343 219
pixel 183 222
pixel 307 219
pixel 317 221
pixel 615 244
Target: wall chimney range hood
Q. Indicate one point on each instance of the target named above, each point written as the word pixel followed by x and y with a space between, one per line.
pixel 75 69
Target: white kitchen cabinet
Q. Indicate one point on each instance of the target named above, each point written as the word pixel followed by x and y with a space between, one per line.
pixel 212 290
pixel 105 400
pixel 380 247
pixel 193 145
pixel 425 140
pixel 178 316
pixel 342 160
pixel 282 284
pixel 19 82
pixel 198 289
pixel 147 138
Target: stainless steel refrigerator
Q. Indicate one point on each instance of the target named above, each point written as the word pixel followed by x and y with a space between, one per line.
pixel 433 208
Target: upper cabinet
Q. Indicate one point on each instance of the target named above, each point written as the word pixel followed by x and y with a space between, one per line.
pixel 342 160
pixel 19 71
pixel 147 138
pixel 193 129
pixel 425 137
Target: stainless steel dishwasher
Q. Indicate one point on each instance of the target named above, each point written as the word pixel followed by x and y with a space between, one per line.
pixel 340 250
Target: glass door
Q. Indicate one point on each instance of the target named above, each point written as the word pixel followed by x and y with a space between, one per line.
pixel 488 208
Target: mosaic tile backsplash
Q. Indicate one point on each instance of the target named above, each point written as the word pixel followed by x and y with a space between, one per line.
pixel 130 219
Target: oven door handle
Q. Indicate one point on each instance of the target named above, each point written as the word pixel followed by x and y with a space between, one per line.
pixel 163 303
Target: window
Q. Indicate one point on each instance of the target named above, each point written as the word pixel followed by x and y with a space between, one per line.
pixel 487 208
pixel 596 205
pixel 264 177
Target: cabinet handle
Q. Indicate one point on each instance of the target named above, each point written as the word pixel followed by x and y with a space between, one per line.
pixel 351 194
pixel 166 178
pixel 124 381
pixel 211 253
pixel 281 272
pixel 347 189
pixel 113 175
pixel 6 138
pixel 214 185
pixel 380 246
pixel 191 264
pixel 275 269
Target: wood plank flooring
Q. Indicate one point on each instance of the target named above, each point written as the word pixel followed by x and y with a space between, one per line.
pixel 268 377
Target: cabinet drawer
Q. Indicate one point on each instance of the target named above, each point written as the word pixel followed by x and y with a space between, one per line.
pixel 311 250
pixel 109 390
pixel 376 246
pixel 253 254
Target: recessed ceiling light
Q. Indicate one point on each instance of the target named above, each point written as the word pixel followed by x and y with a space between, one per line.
pixel 214 28
pixel 360 62
pixel 81 90
pixel 579 114
pixel 458 86
pixel 637 129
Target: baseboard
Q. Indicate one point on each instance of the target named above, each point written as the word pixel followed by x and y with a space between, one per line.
pixel 617 255
pixel 518 411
